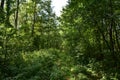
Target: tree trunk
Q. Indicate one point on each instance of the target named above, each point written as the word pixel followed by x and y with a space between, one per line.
pixel 2 4
pixel 111 30
pixel 16 14
pixel 7 22
pixel 34 19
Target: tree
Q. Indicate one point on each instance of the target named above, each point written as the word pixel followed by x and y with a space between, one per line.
pixel 16 13
pixel 95 24
pixel 2 4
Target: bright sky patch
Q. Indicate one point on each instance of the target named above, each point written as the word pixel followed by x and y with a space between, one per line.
pixel 58 5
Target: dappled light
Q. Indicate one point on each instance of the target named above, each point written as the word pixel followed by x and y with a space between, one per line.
pixel 82 43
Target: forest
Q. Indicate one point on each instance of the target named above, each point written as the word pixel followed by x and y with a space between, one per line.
pixel 81 44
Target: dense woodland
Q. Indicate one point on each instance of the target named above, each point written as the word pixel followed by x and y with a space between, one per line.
pixel 82 44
